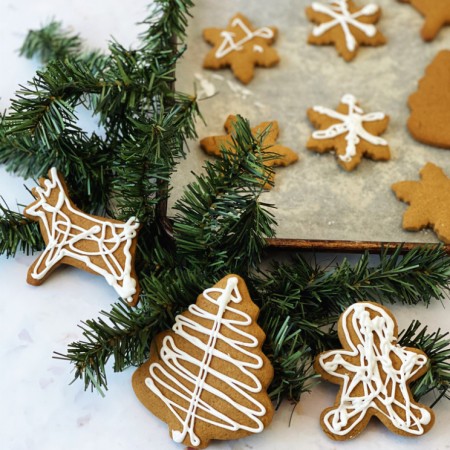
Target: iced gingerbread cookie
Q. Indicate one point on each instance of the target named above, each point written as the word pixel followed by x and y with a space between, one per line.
pixel 284 156
pixel 350 132
pixel 430 105
pixel 429 201
pixel 374 374
pixel 241 47
pixel 436 14
pixel 207 377
pixel 342 23
pixel 101 246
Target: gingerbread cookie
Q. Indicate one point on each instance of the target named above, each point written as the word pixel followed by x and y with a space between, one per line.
pixel 430 105
pixel 241 47
pixel 213 145
pixel 429 201
pixel 101 246
pixel 343 24
pixel 436 14
pixel 350 132
pixel 374 373
pixel 207 377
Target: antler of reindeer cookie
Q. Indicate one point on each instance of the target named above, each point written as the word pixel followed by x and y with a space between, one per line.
pixel 101 246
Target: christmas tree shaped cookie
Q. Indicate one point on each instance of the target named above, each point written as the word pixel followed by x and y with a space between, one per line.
pixel 429 201
pixel 430 105
pixel 282 156
pixel 101 246
pixel 374 374
pixel 241 47
pixel 207 377
pixel 342 23
pixel 436 14
pixel 350 132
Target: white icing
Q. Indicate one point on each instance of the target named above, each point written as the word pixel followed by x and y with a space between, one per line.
pixel 229 45
pixel 207 89
pixel 375 347
pixel 174 367
pixel 258 49
pixel 340 15
pixel 350 124
pixel 64 232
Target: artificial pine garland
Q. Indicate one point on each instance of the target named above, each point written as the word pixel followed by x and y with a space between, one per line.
pixel 220 225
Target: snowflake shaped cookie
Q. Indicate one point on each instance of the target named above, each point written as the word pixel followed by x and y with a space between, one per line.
pixel 374 373
pixel 350 132
pixel 241 47
pixel 213 145
pixel 341 23
pixel 429 201
pixel 436 14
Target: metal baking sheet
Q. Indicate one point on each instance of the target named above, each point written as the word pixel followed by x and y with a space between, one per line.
pixel 315 198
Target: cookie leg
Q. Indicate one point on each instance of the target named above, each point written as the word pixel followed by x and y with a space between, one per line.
pixel 243 69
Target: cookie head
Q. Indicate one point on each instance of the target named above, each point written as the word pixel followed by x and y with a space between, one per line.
pixel 374 373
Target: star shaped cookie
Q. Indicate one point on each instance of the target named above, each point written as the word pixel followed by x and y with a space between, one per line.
pixel 429 201
pixel 343 24
pixel 283 156
pixel 350 132
pixel 374 373
pixel 436 14
pixel 241 47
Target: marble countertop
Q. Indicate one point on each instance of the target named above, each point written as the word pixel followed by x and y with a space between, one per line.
pixel 39 409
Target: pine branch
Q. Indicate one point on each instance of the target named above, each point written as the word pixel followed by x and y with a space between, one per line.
pixel 436 346
pixel 51 42
pixel 17 233
pixel 220 221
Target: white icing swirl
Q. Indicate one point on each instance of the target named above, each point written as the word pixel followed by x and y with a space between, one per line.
pixel 340 16
pixel 350 124
pixel 229 45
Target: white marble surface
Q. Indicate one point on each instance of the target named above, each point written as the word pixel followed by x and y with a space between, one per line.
pixel 39 410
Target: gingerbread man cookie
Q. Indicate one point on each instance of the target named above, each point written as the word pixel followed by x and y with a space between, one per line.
pixel 429 201
pixel 241 47
pixel 283 156
pixel 436 14
pixel 98 245
pixel 350 132
pixel 343 24
pixel 374 374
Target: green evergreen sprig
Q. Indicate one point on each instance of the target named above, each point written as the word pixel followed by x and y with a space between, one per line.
pixel 220 225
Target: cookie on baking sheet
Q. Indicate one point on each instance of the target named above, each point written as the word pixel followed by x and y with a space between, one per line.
pixel 241 47
pixel 350 132
pixel 430 104
pixel 347 26
pixel 207 378
pixel 429 201
pixel 436 14
pixel 283 156
pixel 374 374
pixel 98 245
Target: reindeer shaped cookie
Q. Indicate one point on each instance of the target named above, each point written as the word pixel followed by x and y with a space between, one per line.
pixel 101 246
pixel 374 373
